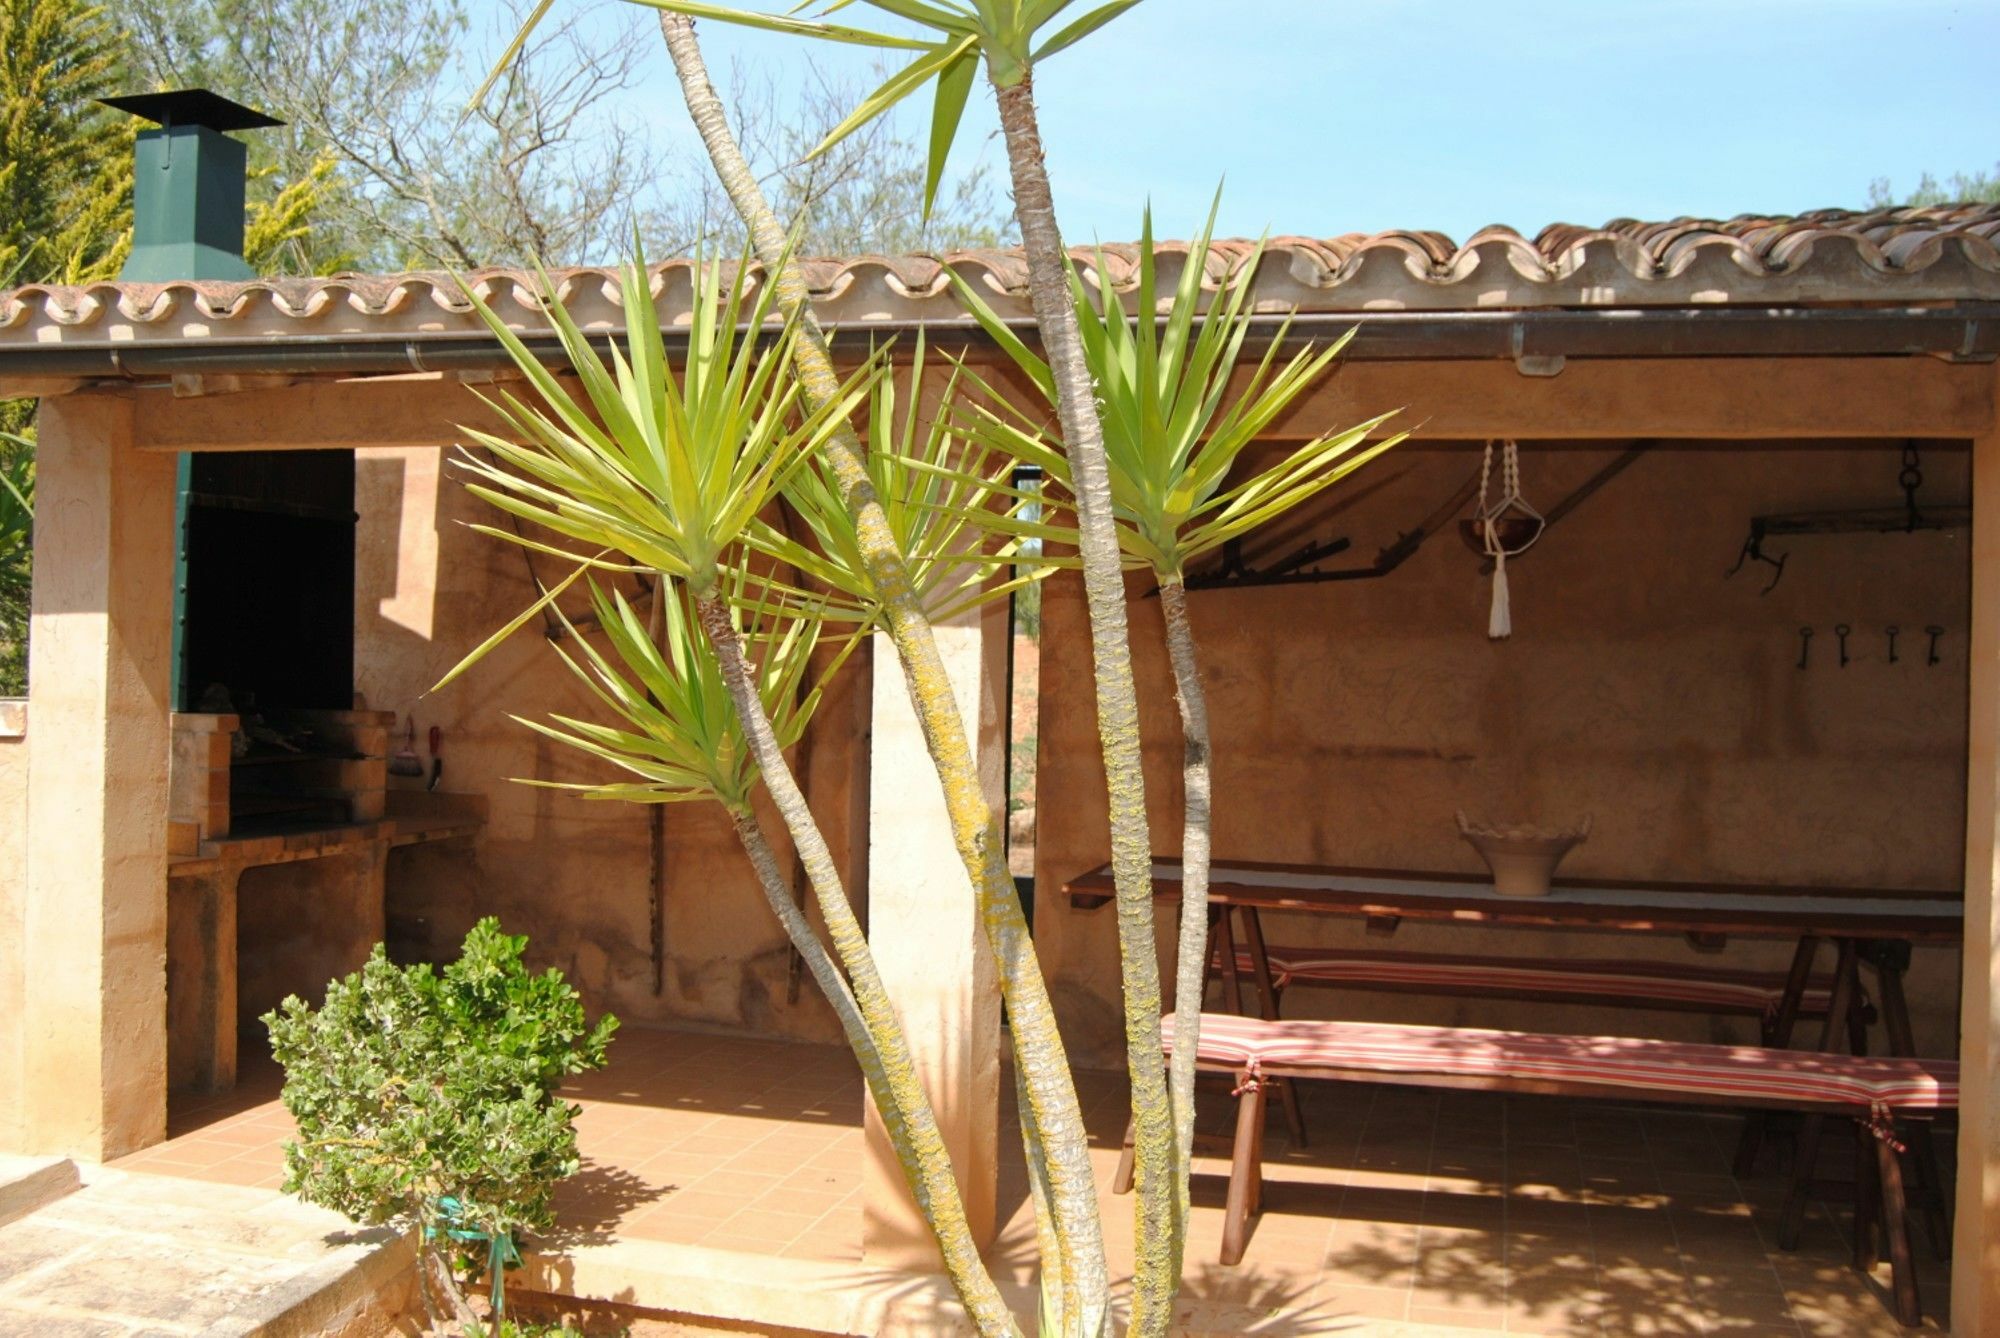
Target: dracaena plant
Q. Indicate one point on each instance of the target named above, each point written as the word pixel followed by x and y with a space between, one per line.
pixel 1174 438
pixel 663 473
pixel 1075 1285
pixel 1006 38
pixel 949 498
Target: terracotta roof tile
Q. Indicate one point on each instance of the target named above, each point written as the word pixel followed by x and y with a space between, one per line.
pixel 1827 257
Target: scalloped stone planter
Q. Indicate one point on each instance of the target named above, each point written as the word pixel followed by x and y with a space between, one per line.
pixel 1523 858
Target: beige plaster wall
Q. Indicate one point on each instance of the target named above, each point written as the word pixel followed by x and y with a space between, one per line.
pixel 1640 686
pixel 298 926
pixel 13 888
pixel 573 874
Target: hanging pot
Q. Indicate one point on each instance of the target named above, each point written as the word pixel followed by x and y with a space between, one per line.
pixel 1513 532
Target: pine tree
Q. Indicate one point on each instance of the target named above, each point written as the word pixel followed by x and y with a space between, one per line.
pixel 65 211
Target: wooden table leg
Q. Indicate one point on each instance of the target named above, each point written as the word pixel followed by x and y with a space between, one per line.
pixel 1232 984
pixel 1260 963
pixel 1867 1200
pixel 1267 998
pixel 1896 1226
pixel 1245 1171
pixel 1903 1043
pixel 1777 1034
pixel 1792 1219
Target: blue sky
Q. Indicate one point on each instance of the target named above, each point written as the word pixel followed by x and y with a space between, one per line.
pixel 1332 116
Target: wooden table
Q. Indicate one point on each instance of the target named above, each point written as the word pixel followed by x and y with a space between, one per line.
pixel 1872 924
pixel 1708 913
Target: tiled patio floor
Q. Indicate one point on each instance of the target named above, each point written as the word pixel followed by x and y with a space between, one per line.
pixel 1472 1211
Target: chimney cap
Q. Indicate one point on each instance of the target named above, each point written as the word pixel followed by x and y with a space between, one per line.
pixel 192 106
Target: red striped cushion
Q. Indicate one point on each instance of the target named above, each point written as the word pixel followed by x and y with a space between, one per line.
pixel 1718 989
pixel 1723 1072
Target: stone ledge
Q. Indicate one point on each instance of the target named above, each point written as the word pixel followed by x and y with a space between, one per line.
pixel 359 1292
pixel 28 1183
pixel 850 1300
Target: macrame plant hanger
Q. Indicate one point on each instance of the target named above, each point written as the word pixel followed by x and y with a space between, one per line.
pixel 1495 532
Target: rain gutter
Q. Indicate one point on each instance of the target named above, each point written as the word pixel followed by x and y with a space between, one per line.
pixel 1538 341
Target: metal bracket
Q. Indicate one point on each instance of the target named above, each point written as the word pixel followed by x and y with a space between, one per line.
pixel 1532 364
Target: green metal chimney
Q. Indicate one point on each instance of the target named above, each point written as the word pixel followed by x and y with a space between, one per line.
pixel 187 223
pixel 187 186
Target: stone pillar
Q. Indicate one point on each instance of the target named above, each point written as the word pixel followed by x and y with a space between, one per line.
pixel 95 914
pixel 924 926
pixel 1975 1258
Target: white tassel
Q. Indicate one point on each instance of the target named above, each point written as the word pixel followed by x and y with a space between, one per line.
pixel 1500 624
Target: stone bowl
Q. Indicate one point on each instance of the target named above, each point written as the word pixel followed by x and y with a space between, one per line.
pixel 1523 858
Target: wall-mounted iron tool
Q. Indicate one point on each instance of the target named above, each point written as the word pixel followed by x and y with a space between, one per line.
pixel 1753 551
pixel 1905 519
pixel 1232 570
pixel 1841 630
pixel 1891 630
pixel 1805 645
pixel 1934 632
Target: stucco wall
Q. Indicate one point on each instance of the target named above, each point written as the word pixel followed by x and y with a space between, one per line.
pixel 573 874
pixel 13 888
pixel 1640 686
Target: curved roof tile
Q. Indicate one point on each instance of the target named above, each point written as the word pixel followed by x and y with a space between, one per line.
pixel 1826 257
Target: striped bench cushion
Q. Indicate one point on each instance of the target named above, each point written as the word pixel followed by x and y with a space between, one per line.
pixel 1724 1073
pixel 1686 985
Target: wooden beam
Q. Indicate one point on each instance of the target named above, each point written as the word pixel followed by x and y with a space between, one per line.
pixel 1730 399
pixel 1702 398
pixel 420 409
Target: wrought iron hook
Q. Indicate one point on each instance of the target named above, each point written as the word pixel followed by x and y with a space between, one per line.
pixel 1753 551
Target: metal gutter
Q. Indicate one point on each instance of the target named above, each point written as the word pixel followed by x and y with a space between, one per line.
pixel 1538 340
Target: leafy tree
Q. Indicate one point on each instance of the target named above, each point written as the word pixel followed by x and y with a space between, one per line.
pixel 17 508
pixel 428 1099
pixel 865 196
pixel 539 170
pixel 65 173
pixel 1959 188
pixel 65 163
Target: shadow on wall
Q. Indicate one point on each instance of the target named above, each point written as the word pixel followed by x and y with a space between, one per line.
pixel 574 875
pixel 1640 685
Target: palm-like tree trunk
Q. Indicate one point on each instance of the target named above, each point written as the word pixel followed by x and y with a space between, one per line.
pixel 883 1051
pixel 1051 1119
pixel 1156 1265
pixel 906 1115
pixel 1191 977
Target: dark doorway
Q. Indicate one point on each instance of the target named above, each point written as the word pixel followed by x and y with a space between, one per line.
pixel 268 612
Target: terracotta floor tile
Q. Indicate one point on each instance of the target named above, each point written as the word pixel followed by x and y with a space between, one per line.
pixel 1470 1210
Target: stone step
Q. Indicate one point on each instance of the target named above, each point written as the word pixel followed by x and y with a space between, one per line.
pixel 27 1183
pixel 131 1253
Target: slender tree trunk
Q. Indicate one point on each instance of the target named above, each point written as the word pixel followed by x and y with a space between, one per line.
pixel 1191 977
pixel 1051 1118
pixel 906 1110
pixel 1157 1252
pixel 883 1051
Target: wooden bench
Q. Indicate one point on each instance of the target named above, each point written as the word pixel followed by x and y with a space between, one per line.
pixel 1674 986
pixel 1872 1091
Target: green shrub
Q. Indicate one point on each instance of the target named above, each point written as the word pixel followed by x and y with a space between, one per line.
pixel 427 1098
